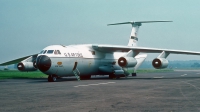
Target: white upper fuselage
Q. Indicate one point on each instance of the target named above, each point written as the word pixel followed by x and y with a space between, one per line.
pixel 88 60
pixel 80 51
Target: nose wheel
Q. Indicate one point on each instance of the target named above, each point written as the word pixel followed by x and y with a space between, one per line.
pixel 52 78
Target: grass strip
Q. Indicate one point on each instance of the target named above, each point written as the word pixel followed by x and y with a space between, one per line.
pixel 154 70
pixel 15 74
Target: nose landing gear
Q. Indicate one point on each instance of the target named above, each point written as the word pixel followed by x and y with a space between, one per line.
pixel 52 78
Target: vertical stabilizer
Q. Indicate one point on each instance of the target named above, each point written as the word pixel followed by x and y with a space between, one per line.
pixel 135 27
pixel 134 32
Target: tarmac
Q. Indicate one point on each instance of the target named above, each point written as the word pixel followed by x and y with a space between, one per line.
pixel 176 91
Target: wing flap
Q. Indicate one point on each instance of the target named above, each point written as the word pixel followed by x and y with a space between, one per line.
pixel 111 48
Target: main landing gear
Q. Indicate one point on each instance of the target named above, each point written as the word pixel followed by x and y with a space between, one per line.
pixel 52 78
pixel 134 74
pixel 85 77
pixel 113 76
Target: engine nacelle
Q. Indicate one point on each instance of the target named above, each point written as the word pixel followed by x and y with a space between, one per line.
pixel 159 63
pixel 127 61
pixel 27 66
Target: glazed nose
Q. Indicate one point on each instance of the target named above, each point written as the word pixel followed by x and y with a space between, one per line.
pixel 43 63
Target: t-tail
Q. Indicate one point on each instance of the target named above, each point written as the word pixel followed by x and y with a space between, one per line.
pixel 135 27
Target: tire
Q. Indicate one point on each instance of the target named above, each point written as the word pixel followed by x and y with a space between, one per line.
pixel 112 76
pixel 85 77
pixel 134 74
pixel 52 78
pixel 89 77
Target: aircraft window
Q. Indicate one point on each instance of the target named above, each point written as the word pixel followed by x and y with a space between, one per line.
pixel 44 51
pixel 55 52
pixel 58 52
pixel 50 51
pixel 93 52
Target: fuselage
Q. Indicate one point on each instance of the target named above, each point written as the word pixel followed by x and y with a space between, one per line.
pixel 64 59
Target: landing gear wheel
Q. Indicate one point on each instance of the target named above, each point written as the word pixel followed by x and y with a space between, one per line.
pixel 49 78
pixel 85 77
pixel 52 78
pixel 88 77
pixel 134 74
pixel 112 76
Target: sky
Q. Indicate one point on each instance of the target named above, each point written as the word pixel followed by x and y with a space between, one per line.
pixel 28 26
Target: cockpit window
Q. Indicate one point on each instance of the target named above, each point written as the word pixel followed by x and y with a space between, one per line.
pixel 55 52
pixel 58 52
pixel 44 51
pixel 50 51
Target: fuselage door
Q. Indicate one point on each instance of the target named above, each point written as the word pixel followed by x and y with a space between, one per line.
pixel 75 65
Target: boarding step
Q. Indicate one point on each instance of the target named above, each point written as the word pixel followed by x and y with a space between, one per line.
pixel 76 73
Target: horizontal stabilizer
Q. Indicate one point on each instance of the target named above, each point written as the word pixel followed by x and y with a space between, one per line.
pixel 138 22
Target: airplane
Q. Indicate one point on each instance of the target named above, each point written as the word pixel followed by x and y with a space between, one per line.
pixel 85 60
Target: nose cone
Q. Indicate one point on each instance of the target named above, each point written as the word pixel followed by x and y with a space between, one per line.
pixel 43 63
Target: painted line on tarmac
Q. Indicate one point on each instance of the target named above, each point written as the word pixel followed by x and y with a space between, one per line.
pixel 158 77
pixel 95 84
pixel 184 75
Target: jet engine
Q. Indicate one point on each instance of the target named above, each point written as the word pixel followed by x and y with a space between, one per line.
pixel 127 61
pixel 26 66
pixel 160 63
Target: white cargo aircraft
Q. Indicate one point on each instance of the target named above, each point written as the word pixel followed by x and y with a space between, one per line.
pixel 83 61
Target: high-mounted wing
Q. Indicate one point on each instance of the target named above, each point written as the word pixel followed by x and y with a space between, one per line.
pixel 111 48
pixel 16 60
